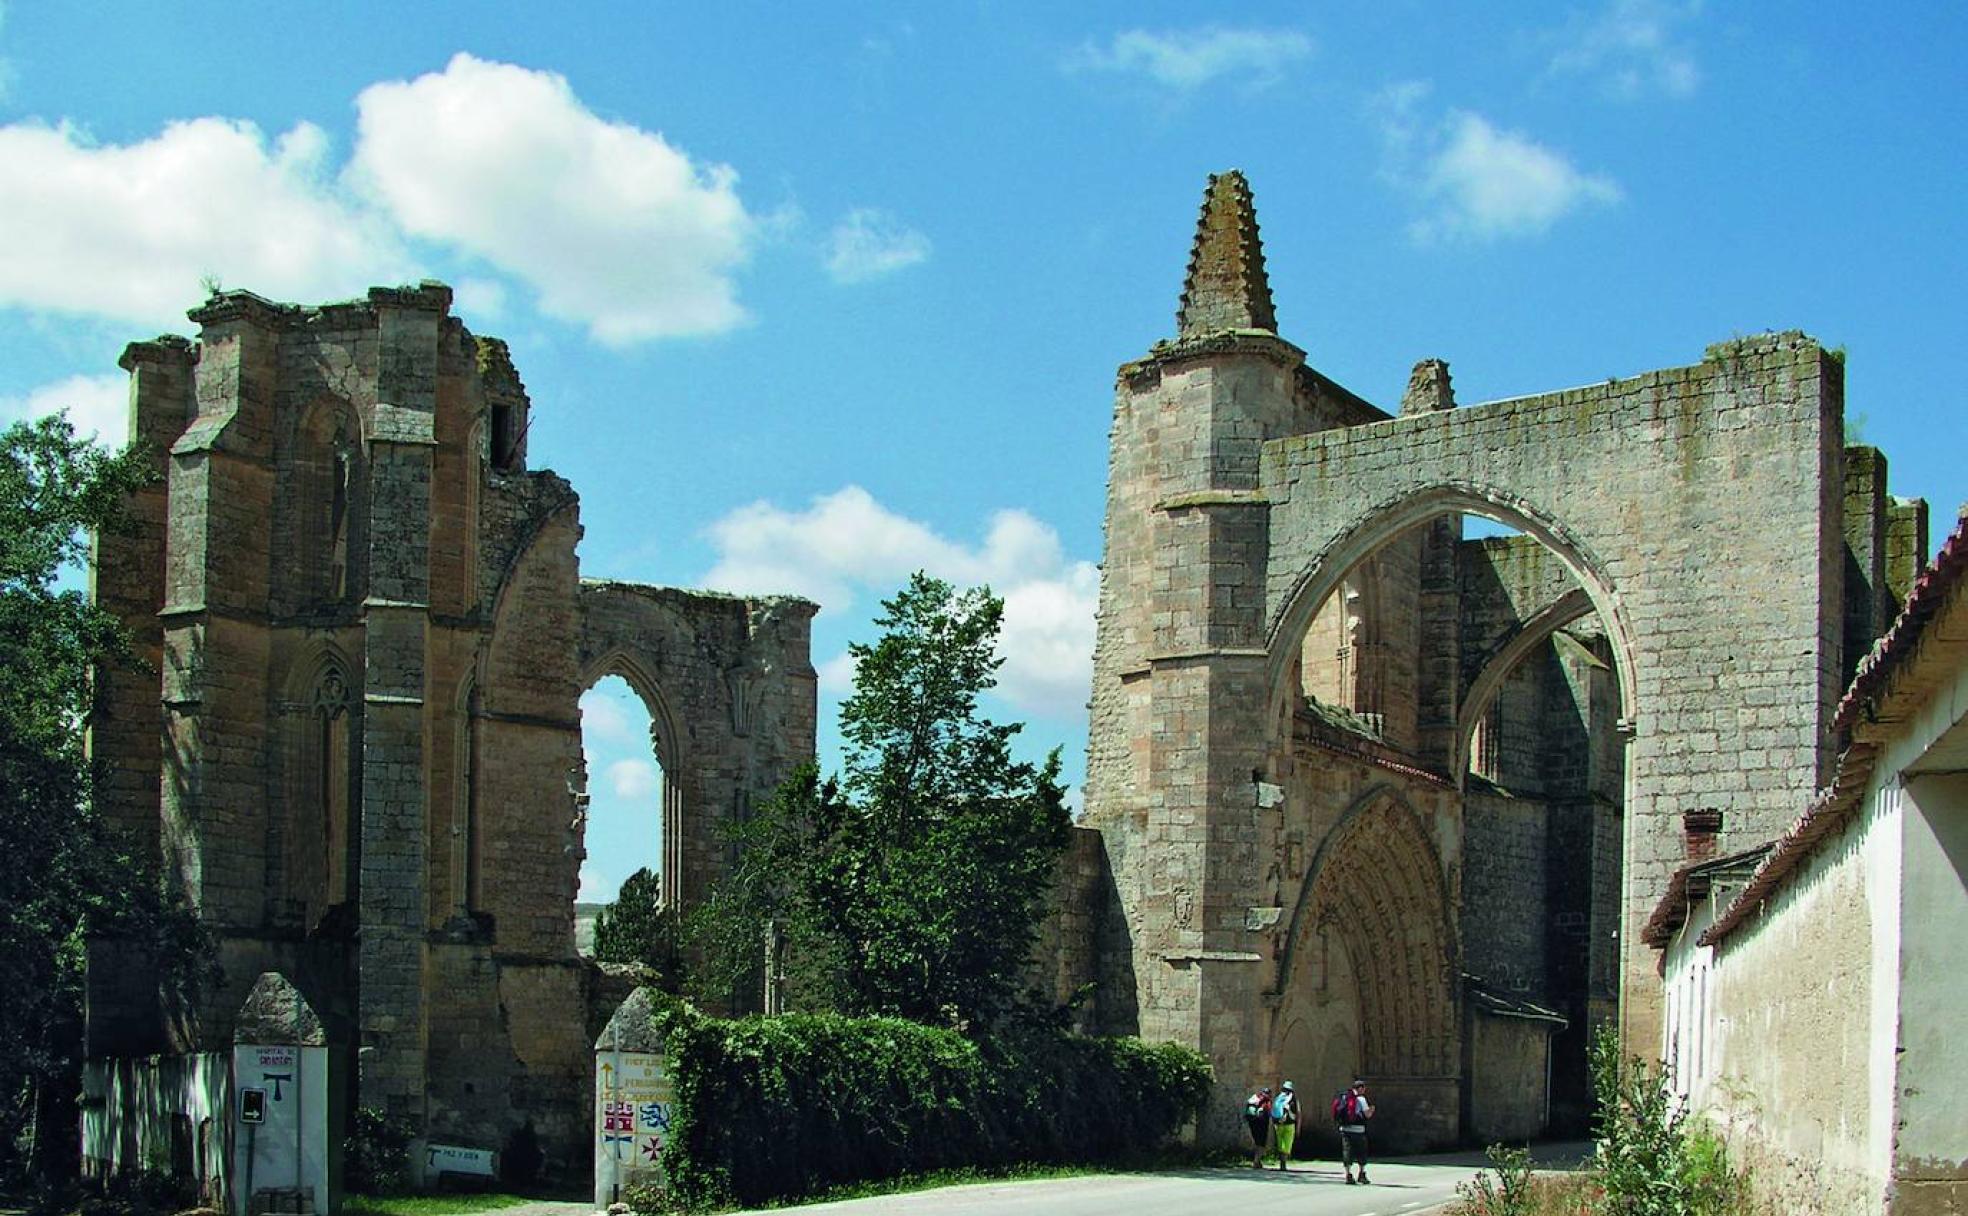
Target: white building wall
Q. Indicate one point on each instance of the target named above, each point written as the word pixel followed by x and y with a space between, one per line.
pixel 1793 1056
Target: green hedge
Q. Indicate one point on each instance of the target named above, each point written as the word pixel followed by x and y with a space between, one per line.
pixel 783 1107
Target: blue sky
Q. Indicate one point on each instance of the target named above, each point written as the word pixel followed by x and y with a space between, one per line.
pixel 805 302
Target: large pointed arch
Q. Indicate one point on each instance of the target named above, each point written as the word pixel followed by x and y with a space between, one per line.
pixel 1382 522
pixel 1377 884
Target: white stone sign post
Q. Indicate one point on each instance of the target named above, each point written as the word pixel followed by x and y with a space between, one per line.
pixel 633 1100
pixel 280 1105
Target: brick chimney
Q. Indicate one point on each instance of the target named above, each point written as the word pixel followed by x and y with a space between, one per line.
pixel 1701 828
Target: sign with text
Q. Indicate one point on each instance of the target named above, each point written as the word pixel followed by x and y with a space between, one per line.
pixel 632 1119
pixel 451 1159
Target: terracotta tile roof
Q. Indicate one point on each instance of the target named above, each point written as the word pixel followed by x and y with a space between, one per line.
pixel 1688 884
pixel 1836 803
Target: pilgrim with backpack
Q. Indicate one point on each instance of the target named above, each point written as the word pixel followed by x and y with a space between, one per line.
pixel 1350 1111
pixel 1257 1117
pixel 1284 1123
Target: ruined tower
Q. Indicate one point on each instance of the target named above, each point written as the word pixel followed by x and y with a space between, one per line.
pixel 354 738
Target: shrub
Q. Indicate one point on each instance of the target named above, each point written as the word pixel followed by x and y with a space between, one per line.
pixel 1653 1161
pixel 1508 1195
pixel 776 1108
pixel 376 1155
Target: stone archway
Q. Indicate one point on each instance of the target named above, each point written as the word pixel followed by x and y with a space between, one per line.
pixel 1368 531
pixel 668 747
pixel 1369 966
pixel 731 702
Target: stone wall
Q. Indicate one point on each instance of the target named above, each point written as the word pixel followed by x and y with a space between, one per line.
pixel 357 744
pixel 1636 484
pixel 1505 904
pixel 730 693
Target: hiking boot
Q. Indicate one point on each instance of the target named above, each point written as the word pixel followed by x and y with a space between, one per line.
pixel 1349 1180
pixel 1363 1179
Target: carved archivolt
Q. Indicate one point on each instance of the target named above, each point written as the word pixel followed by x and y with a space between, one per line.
pixel 1378 894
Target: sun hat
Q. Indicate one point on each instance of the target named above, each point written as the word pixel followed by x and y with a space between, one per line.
pixel 1286 1085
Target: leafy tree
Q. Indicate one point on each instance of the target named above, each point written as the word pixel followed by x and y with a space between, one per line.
pixel 636 928
pixel 911 885
pixel 67 874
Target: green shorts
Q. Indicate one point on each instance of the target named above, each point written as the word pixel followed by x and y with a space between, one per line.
pixel 1286 1133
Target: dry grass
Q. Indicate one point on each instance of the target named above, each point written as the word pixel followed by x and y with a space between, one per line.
pixel 1563 1194
pixel 1543 1195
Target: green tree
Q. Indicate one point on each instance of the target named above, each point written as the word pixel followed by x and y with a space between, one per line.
pixel 912 885
pixel 636 928
pixel 67 874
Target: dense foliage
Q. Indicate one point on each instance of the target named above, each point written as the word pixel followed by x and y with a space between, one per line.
pixel 771 1108
pixel 376 1153
pixel 636 928
pixel 912 885
pixel 67 875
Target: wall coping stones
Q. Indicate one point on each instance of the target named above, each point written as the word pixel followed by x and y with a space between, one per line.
pixel 1172 352
pixel 163 346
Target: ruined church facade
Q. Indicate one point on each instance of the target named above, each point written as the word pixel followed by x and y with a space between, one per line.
pixel 1377 799
pixel 1367 795
pixel 352 733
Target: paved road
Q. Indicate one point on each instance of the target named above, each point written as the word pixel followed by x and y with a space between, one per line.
pixel 1304 1191
pixel 1404 1188
pixel 1407 1187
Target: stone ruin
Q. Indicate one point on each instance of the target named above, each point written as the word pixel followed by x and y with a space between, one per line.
pixel 1377 798
pixel 353 736
pixel 1365 796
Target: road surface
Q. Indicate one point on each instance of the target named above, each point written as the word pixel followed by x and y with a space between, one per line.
pixel 1400 1188
pixel 1409 1186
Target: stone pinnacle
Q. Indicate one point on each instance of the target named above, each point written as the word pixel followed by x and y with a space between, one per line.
pixel 1226 287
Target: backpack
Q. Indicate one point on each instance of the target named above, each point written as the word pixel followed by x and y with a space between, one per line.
pixel 1281 1108
pixel 1342 1107
pixel 1258 1105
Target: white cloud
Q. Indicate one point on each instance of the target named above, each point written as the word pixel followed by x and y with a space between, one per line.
pixel 479 300
pixel 1472 179
pixel 128 231
pixel 845 545
pixel 632 780
pixel 1492 183
pixel 603 718
pixel 1631 47
pixel 837 675
pixel 1186 60
pixel 96 405
pixel 871 243
pixel 614 227
pixel 596 887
